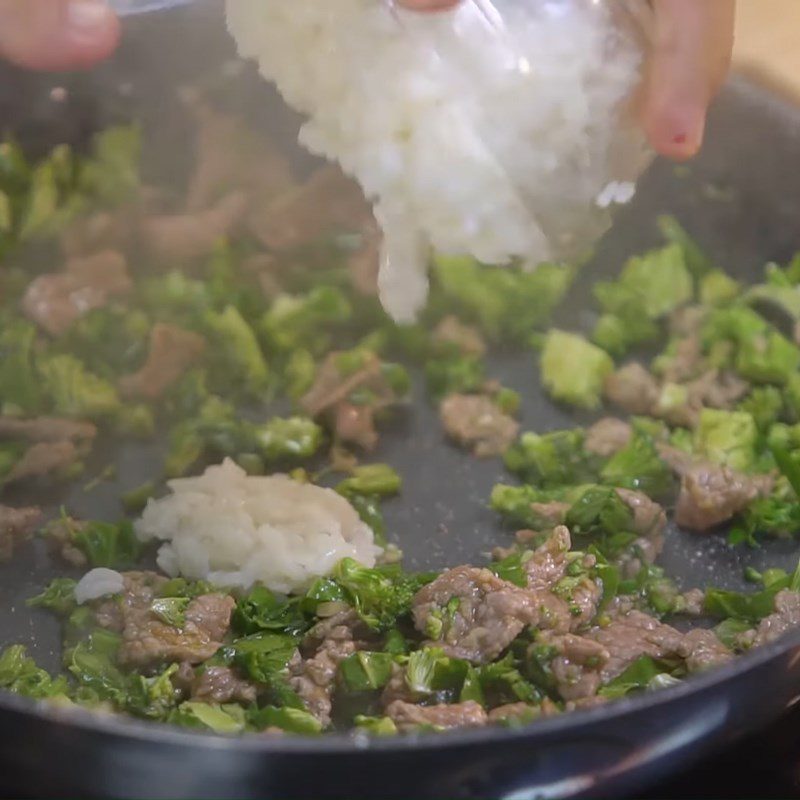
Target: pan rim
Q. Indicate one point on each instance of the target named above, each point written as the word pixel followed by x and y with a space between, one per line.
pixel 150 733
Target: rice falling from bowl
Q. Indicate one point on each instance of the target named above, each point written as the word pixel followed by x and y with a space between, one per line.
pixel 492 139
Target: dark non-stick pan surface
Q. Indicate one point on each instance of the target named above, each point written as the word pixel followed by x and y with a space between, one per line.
pixel 741 199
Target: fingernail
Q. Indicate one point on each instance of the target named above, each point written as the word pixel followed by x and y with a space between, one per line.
pixel 87 15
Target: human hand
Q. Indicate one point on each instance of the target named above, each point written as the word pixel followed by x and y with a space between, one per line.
pixel 57 34
pixel 689 59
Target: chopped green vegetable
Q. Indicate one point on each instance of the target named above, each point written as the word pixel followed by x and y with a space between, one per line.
pixel 573 370
pixel 551 459
pixel 455 375
pixel 638 466
pixel 262 657
pixel 376 726
pixel 508 303
pixel 262 610
pixel 74 391
pixel 170 610
pixel 238 361
pixel 20 387
pixel 136 499
pixel 371 479
pixel 364 671
pixel 291 720
pixel 20 675
pixel 225 719
pixel 640 675
pixel 107 544
pixel 292 438
pixel 58 597
pixel 727 437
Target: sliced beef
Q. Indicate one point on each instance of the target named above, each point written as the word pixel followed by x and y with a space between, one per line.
pixel 327 202
pixel 633 389
pixel 716 389
pixel 229 156
pixel 101 230
pixel 332 393
pixel 649 518
pixel 466 339
pixel 576 668
pixel 472 614
pixel 56 300
pixel 702 650
pixel 686 362
pixel 522 712
pixel 711 494
pixel 171 238
pixel 364 263
pixel 785 618
pixel 631 636
pixel 408 716
pixel 16 525
pixel 172 351
pixel 607 436
pixel 476 422
pixel 147 640
pixel 46 429
pixel 60 533
pixel 222 685
pixel 44 458
pixel 549 562
pixel 314 677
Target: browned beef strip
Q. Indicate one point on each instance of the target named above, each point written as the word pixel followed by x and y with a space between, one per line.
pixel 147 640
pixel 716 389
pixel 56 300
pixel 703 650
pixel 408 716
pixel 102 230
pixel 314 678
pixel 326 202
pixel 364 263
pixel 785 618
pixel 16 524
pixel 633 635
pixel 687 361
pixel 711 494
pixel 222 685
pixel 577 666
pixel 229 156
pixel 172 351
pixel 549 561
pixel 515 711
pixel 59 532
pixel 607 436
pixel 46 429
pixel 649 518
pixel 330 396
pixel 467 339
pixel 633 389
pixel 476 422
pixel 490 615
pixel 44 458
pixel 171 238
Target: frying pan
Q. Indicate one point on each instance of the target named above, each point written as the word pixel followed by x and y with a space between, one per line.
pixel 741 200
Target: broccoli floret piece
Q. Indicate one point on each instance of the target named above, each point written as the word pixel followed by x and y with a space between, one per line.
pixel 727 437
pixel 292 438
pixel 516 504
pixel 717 288
pixel 573 370
pixel 696 259
pixel 20 389
pixel 618 333
pixel 785 298
pixel 765 406
pixel 176 298
pixel 459 374
pixel 551 459
pixel 238 359
pixel 372 480
pixel 651 285
pixel 304 321
pixel 507 302
pixel 73 391
pixel 110 341
pixel 762 354
pixel 638 466
pixel 299 373
pixel 111 174
pixel 773 517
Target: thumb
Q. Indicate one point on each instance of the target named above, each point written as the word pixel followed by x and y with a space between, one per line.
pixel 57 34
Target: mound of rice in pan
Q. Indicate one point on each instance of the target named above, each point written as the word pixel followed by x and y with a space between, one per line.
pixel 235 530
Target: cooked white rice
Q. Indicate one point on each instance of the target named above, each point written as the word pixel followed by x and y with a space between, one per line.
pixel 97 583
pixel 234 530
pixel 494 141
